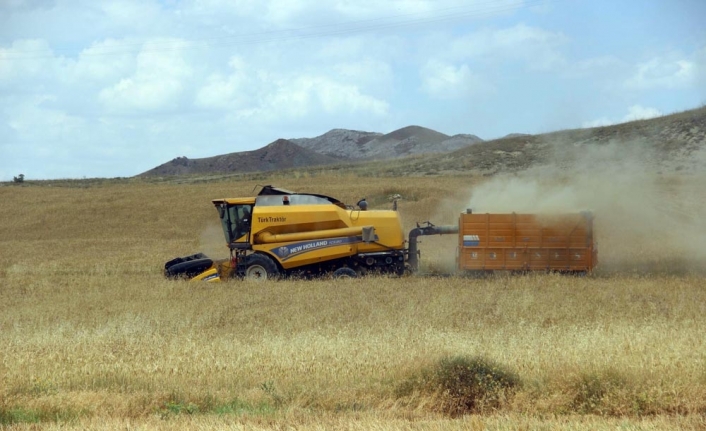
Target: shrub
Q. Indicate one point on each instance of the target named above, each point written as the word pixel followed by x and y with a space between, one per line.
pixel 471 385
pixel 464 385
pixel 21 415
pixel 592 389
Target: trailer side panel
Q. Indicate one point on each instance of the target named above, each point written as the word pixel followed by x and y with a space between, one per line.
pixel 527 242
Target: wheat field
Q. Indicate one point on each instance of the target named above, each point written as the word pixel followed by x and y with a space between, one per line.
pixel 94 337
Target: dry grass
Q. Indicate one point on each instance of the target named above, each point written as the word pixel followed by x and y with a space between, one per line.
pixel 94 337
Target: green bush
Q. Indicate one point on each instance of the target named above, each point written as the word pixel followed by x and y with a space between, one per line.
pixel 464 385
pixel 177 404
pixel 471 385
pixel 20 415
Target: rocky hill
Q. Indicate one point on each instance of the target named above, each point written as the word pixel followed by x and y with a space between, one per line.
pixel 356 145
pixel 413 140
pixel 335 146
pixel 672 142
pixel 675 142
pixel 339 143
pixel 281 154
pixel 402 142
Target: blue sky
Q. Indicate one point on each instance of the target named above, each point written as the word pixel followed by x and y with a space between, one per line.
pixel 114 88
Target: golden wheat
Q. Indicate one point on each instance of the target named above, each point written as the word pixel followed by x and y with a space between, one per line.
pixel 93 336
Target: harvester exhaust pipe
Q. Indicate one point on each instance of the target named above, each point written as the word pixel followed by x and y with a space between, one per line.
pixel 429 229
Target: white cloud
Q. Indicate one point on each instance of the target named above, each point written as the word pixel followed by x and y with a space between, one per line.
pixel 32 119
pixel 367 72
pixel 263 94
pixel 120 11
pixel 635 112
pixel 474 63
pixel 639 112
pixel 447 81
pixel 226 91
pixel 663 73
pixel 536 48
pixel 38 139
pixel 339 97
pixel 104 61
pixel 157 82
pixel 26 58
pixel 301 95
pixel 599 122
pixel 281 11
pixel 285 12
pixel 134 14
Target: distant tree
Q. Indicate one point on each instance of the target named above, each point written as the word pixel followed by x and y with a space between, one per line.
pixel 19 179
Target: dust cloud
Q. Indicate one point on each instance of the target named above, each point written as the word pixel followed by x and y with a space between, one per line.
pixel 212 243
pixel 649 216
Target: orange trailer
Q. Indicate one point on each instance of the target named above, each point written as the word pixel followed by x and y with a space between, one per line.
pixel 527 242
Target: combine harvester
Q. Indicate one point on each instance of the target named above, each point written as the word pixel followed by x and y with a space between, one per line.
pixel 282 233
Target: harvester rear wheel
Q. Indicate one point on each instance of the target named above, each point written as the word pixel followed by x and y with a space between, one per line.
pixel 345 272
pixel 260 267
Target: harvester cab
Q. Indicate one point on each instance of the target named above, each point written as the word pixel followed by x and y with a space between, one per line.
pixel 236 221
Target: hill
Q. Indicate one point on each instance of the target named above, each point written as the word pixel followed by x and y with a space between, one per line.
pixel 672 142
pixel 281 154
pixel 675 142
pixel 414 140
pixel 333 147
pixel 356 145
pixel 340 143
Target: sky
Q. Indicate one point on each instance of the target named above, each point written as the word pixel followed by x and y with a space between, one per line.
pixel 114 88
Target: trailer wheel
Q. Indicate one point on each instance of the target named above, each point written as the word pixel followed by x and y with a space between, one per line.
pixel 260 267
pixel 345 272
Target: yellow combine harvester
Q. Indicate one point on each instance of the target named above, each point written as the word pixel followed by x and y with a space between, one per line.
pixel 280 232
pixel 283 233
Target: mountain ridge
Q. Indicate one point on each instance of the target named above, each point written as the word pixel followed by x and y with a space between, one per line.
pixel 673 142
pixel 333 147
pixel 280 154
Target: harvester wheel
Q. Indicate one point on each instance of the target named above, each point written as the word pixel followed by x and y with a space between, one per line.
pixel 260 267
pixel 345 272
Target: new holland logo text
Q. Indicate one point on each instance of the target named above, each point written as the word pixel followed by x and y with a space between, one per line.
pixel 287 251
pixel 272 219
pixel 308 246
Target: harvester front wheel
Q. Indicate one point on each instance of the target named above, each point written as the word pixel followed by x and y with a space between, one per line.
pixel 260 267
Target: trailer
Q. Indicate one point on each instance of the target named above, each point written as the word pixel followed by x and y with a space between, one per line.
pixel 527 242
